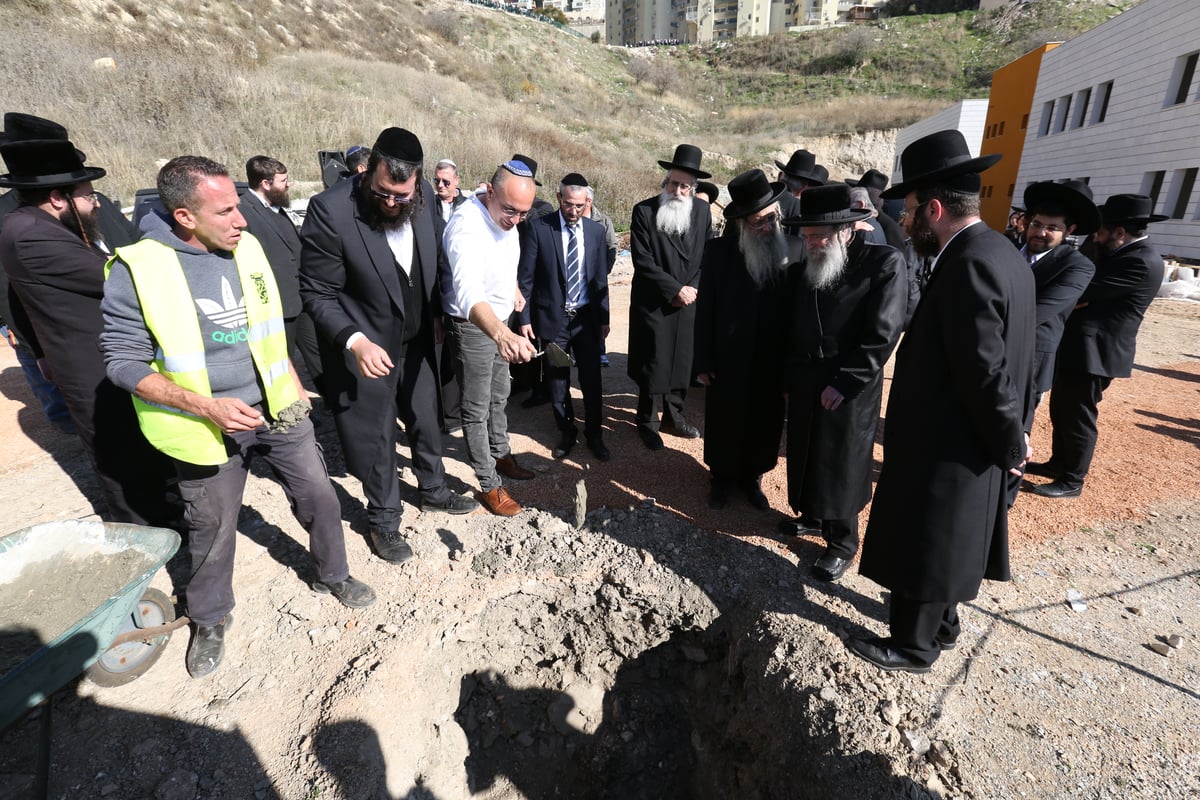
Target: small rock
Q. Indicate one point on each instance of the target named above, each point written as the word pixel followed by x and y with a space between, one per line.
pixel 1175 641
pixel 1161 648
pixel 389 629
pixel 1075 601
pixel 107 789
pixel 940 755
pixel 580 504
pixel 890 713
pixel 1137 612
pixel 828 694
pixel 179 785
pixel 916 741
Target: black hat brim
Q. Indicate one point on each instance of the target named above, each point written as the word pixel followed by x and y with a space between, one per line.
pixel 699 173
pixel 734 211
pixel 51 181
pixel 800 175
pixel 845 216
pixel 901 190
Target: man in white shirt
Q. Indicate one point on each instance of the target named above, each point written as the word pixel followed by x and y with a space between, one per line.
pixel 445 186
pixel 479 295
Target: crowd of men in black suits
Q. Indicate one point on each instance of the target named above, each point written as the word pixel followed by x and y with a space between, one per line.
pixel 790 315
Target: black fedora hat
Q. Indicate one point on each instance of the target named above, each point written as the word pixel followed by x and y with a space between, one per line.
pixel 940 157
pixel 529 162
pixel 803 165
pixel 750 193
pixel 871 179
pixel 686 158
pixel 1136 209
pixel 18 127
pixel 710 189
pixel 44 164
pixel 1074 197
pixel 826 205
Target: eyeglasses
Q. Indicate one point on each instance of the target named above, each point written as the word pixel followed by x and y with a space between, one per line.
pixel 1037 226
pixel 442 181
pixel 905 212
pixel 764 222
pixel 572 206
pixel 400 199
pixel 508 212
pixel 808 234
pixel 678 186
pixel 91 197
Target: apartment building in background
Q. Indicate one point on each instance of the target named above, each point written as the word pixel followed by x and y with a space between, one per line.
pixel 628 22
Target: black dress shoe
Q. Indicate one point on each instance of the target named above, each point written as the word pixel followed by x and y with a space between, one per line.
pixel 754 494
pixel 1057 489
pixel 650 438
pixel 946 642
pixel 207 648
pixel 596 445
pixel 1043 469
pixel 390 546
pixel 453 504
pixel 799 526
pixel 564 446
pixel 830 567
pixel 351 592
pixel 684 429
pixel 881 655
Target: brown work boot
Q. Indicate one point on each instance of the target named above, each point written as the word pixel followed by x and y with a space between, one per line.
pixel 509 468
pixel 498 501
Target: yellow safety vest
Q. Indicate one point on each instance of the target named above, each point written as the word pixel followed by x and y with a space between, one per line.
pixel 166 300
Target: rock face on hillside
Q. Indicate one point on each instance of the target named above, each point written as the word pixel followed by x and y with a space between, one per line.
pixel 846 155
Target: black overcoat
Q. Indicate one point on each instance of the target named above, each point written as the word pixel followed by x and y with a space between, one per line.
pixel 956 416
pixel 1059 278
pixel 739 340
pixel 660 335
pixel 1100 337
pixel 840 337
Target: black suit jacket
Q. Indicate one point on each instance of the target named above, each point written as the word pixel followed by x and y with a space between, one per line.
pixel 281 243
pixel 542 277
pixel 1060 277
pixel 1100 337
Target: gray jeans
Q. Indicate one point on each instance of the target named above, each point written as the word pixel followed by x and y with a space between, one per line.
pixel 484 380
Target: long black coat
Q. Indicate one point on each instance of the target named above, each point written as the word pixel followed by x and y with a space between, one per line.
pixel 840 337
pixel 1059 277
pixel 739 340
pixel 956 416
pixel 660 335
pixel 1100 337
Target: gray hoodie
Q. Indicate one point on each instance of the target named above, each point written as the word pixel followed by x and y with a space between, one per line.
pixel 129 347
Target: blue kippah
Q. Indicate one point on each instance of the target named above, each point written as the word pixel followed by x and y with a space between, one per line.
pixel 517 168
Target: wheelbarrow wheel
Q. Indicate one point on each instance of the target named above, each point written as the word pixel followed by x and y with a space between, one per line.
pixel 126 662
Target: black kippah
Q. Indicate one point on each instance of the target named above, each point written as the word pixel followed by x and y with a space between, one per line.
pixel 400 144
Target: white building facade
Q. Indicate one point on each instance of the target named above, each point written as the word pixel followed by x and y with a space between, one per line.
pixel 1119 107
pixel 967 116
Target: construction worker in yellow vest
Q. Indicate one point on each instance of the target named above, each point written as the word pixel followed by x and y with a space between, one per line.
pixel 194 330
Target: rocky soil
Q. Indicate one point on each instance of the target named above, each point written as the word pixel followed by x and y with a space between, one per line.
pixel 660 650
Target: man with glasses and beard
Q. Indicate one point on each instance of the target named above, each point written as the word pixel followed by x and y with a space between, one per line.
pixel 667 234
pixel 56 270
pixel 368 277
pixel 740 313
pixel 959 406
pixel 847 310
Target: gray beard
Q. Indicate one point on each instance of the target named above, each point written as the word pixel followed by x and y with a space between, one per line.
pixel 765 256
pixel 674 214
pixel 826 266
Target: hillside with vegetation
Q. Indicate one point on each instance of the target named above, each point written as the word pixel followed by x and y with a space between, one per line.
pixel 139 82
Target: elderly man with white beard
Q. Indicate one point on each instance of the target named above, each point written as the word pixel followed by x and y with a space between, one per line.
pixel 847 311
pixel 740 329
pixel 667 236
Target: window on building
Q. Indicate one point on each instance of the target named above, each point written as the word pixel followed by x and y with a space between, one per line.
pixel 1012 187
pixel 1064 111
pixel 1047 117
pixel 1001 132
pixel 1152 186
pixel 1024 122
pixel 1103 95
pixel 1185 182
pixel 1079 118
pixel 1180 87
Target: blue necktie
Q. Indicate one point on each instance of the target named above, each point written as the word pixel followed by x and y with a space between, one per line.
pixel 574 269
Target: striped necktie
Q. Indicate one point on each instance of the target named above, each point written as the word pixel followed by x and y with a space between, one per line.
pixel 574 269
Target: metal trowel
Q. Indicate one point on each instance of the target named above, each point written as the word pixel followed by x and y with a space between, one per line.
pixel 556 356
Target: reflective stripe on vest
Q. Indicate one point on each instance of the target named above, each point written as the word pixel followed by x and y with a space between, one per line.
pixel 163 293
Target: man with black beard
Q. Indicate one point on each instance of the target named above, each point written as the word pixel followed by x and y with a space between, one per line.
pixel 368 277
pixel 49 251
pixel 740 315
pixel 667 236
pixel 847 309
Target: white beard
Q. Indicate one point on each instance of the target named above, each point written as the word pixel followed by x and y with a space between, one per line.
pixel 765 256
pixel 826 265
pixel 674 214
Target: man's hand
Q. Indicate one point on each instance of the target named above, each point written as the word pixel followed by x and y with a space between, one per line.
pixel 513 348
pixel 831 399
pixel 527 332
pixel 439 331
pixel 519 302
pixel 686 296
pixel 1019 470
pixel 231 415
pixel 706 378
pixel 373 360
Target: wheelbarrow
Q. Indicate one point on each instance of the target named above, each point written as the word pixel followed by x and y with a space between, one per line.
pixel 74 598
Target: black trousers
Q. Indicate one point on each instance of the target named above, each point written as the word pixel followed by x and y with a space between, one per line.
pixel 917 624
pixel 1073 413
pixel 649 405
pixel 581 338
pixel 841 536
pixel 302 338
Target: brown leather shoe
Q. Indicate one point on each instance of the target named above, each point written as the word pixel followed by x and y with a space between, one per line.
pixel 500 502
pixel 509 468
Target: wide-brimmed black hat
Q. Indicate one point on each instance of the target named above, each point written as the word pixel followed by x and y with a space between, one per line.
pixel 826 205
pixel 686 158
pixel 1135 209
pixel 871 179
pixel 18 127
pixel 710 189
pixel 750 193
pixel 1072 196
pixel 803 165
pixel 941 157
pixel 44 164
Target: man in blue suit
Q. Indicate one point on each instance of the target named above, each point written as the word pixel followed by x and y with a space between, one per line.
pixel 563 273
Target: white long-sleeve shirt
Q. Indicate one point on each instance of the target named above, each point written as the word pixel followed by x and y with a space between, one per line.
pixel 483 262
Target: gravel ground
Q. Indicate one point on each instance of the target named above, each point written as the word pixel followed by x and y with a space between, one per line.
pixel 661 650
